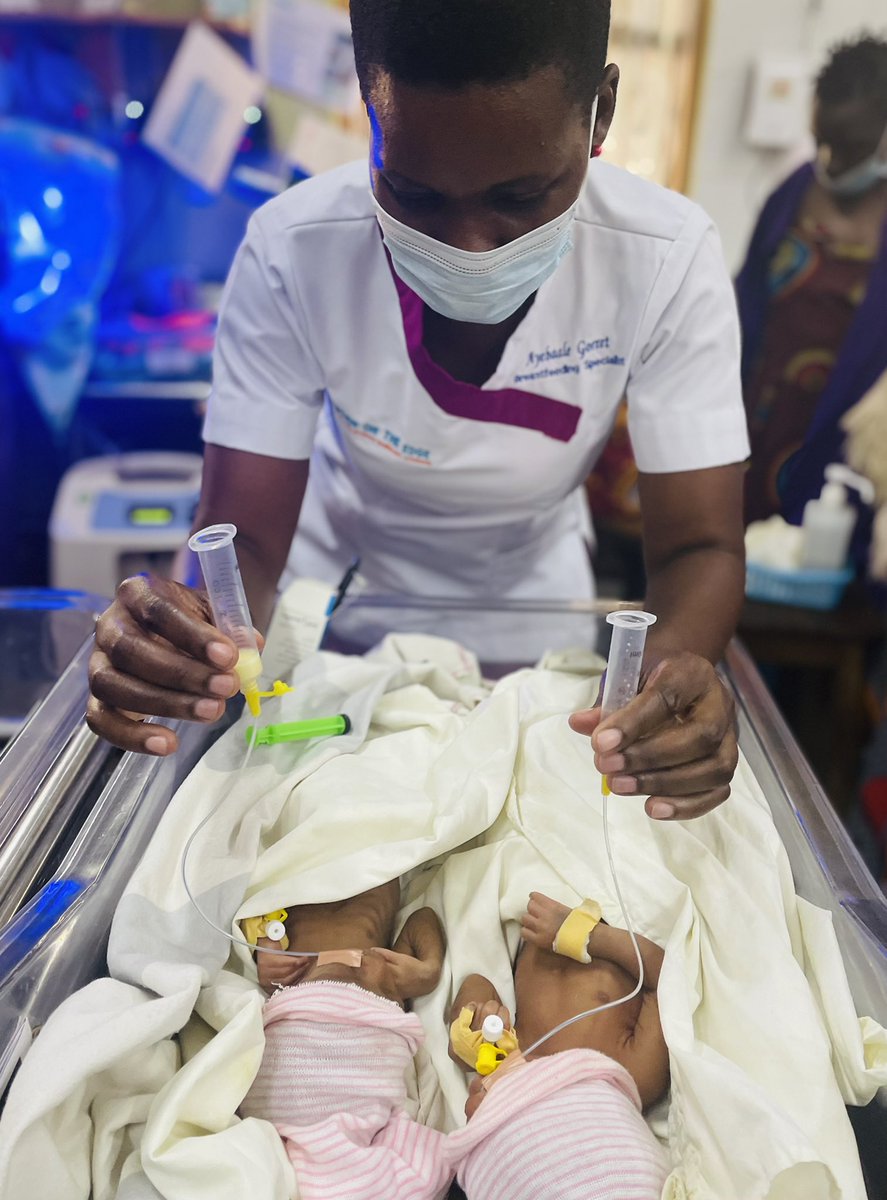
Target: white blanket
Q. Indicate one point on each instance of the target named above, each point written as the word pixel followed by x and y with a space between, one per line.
pixel 477 799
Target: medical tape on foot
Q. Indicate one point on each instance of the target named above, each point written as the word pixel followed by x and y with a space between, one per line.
pixel 572 938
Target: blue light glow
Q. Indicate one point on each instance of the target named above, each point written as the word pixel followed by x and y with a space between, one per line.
pixel 32 240
pixel 58 253
pixel 49 284
pixel 378 151
pixel 24 304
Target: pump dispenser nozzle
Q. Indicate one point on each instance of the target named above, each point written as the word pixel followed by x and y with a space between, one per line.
pixel 837 475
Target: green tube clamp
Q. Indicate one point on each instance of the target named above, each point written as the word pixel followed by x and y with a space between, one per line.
pixel 299 731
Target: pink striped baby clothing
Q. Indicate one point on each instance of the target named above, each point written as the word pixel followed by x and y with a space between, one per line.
pixel 332 1083
pixel 565 1127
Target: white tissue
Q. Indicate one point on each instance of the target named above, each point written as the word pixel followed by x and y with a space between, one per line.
pixel 774 543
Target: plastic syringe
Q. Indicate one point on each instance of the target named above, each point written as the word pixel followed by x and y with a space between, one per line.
pixel 624 662
pixel 214 546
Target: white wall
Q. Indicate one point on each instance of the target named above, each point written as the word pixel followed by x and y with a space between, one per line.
pixel 727 177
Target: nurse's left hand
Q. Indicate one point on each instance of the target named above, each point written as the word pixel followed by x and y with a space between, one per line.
pixel 676 742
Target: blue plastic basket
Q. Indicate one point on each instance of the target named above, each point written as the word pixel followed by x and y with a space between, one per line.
pixel 804 589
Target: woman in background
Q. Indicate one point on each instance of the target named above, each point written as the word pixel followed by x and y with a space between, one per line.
pixel 813 290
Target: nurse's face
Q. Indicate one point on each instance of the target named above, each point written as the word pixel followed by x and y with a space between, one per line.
pixel 851 131
pixel 479 167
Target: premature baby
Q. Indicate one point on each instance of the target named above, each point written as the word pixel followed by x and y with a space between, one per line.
pixel 589 1082
pixel 338 1044
pixel 353 940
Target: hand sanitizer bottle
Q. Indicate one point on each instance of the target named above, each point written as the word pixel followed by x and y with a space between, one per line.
pixel 829 521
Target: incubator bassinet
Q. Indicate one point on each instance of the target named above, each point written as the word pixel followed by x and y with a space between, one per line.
pixel 56 942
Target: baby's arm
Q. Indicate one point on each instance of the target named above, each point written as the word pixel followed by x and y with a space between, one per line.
pixel 417 955
pixel 545 916
pixel 615 946
pixel 276 969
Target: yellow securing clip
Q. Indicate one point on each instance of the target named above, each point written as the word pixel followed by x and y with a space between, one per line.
pixel 278 688
pixel 489 1057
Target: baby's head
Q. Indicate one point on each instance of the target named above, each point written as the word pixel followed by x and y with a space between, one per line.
pixel 565 1127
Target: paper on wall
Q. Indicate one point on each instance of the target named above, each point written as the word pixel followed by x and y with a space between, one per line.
pixel 318 146
pixel 778 114
pixel 304 47
pixel 197 121
pixel 297 627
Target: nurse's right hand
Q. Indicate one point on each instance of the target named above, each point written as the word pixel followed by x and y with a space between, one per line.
pixel 157 654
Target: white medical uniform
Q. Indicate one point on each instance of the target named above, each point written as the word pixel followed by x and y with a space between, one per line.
pixel 446 489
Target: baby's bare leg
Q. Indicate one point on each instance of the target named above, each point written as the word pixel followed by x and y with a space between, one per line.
pixel 479 992
pixel 415 961
pixel 423 938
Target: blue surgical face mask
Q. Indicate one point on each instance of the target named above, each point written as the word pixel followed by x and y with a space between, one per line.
pixel 859 179
pixel 484 287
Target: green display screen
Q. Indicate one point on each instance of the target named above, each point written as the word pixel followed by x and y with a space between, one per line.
pixel 155 515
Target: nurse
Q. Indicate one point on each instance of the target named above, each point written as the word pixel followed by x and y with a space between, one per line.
pixel 444 338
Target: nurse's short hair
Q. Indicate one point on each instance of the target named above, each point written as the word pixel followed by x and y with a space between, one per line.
pixel 855 70
pixel 453 43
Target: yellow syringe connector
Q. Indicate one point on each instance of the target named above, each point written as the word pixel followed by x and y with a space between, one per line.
pixel 605 786
pixel 249 671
